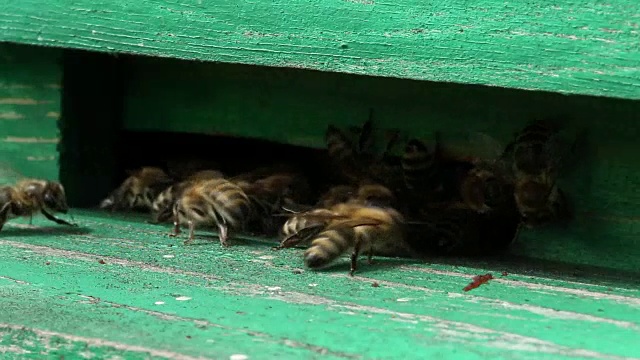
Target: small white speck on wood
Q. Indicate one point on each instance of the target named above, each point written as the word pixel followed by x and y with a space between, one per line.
pixel 183 298
pixel 313 285
pixel 168 256
pixel 238 357
pixel 159 302
pixel 273 288
pixel 403 300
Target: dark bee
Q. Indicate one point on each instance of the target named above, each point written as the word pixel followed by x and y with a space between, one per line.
pixel 462 231
pixel 420 165
pixel 486 188
pixel 535 155
pixel 139 190
pixel 269 195
pixel 30 196
pixel 212 202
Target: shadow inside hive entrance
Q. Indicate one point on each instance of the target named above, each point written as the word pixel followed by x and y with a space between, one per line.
pixel 177 151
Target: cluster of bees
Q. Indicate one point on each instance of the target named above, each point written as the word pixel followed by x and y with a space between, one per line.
pixel 423 201
pixel 418 201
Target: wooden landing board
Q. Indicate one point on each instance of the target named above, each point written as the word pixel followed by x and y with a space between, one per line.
pixel 117 287
pixel 576 47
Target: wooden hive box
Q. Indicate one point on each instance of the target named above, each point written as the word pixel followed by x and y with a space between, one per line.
pixel 83 83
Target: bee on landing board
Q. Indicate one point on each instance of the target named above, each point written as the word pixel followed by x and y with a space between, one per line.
pixel 373 230
pixel 139 190
pixel 162 206
pixel 365 222
pixel 216 202
pixel 300 227
pixel 30 196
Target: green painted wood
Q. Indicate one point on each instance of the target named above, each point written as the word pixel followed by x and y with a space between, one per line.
pixel 30 86
pixel 154 296
pixel 578 47
pixel 295 107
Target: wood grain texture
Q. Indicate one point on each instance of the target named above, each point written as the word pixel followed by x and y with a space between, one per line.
pixel 153 297
pixel 577 47
pixel 30 93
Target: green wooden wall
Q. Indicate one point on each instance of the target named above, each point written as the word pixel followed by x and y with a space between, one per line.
pixel 30 92
pixel 576 46
pixel 294 106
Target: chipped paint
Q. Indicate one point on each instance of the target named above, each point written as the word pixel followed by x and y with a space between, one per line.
pixel 18 101
pixel 10 115
pixel 14 139
pixel 46 335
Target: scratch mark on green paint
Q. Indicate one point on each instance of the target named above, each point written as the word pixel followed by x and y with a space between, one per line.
pixel 110 260
pixel 265 336
pixel 14 139
pixel 46 335
pixel 41 158
pixel 14 280
pixel 455 331
pixel 10 115
pixel 579 292
pixel 53 114
pixel 538 310
pixel 23 101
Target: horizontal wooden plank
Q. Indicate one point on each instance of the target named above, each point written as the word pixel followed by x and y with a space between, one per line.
pixel 30 91
pixel 122 284
pixel 575 47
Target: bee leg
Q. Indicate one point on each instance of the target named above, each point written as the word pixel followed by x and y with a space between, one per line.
pixel 192 229
pixel 55 219
pixel 354 257
pixel 4 213
pixel 223 234
pixel 31 219
pixel 176 223
pixel 370 257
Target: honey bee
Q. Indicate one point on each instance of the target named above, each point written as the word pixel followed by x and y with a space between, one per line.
pixel 356 227
pixel 299 228
pixel 419 165
pixel 540 201
pixel 139 190
pixel 535 154
pixel 162 206
pixel 343 152
pixel 30 196
pixel 489 184
pixel 216 202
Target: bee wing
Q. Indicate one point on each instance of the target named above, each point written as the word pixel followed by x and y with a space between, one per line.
pixel 292 208
pixel 8 174
pixel 358 222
